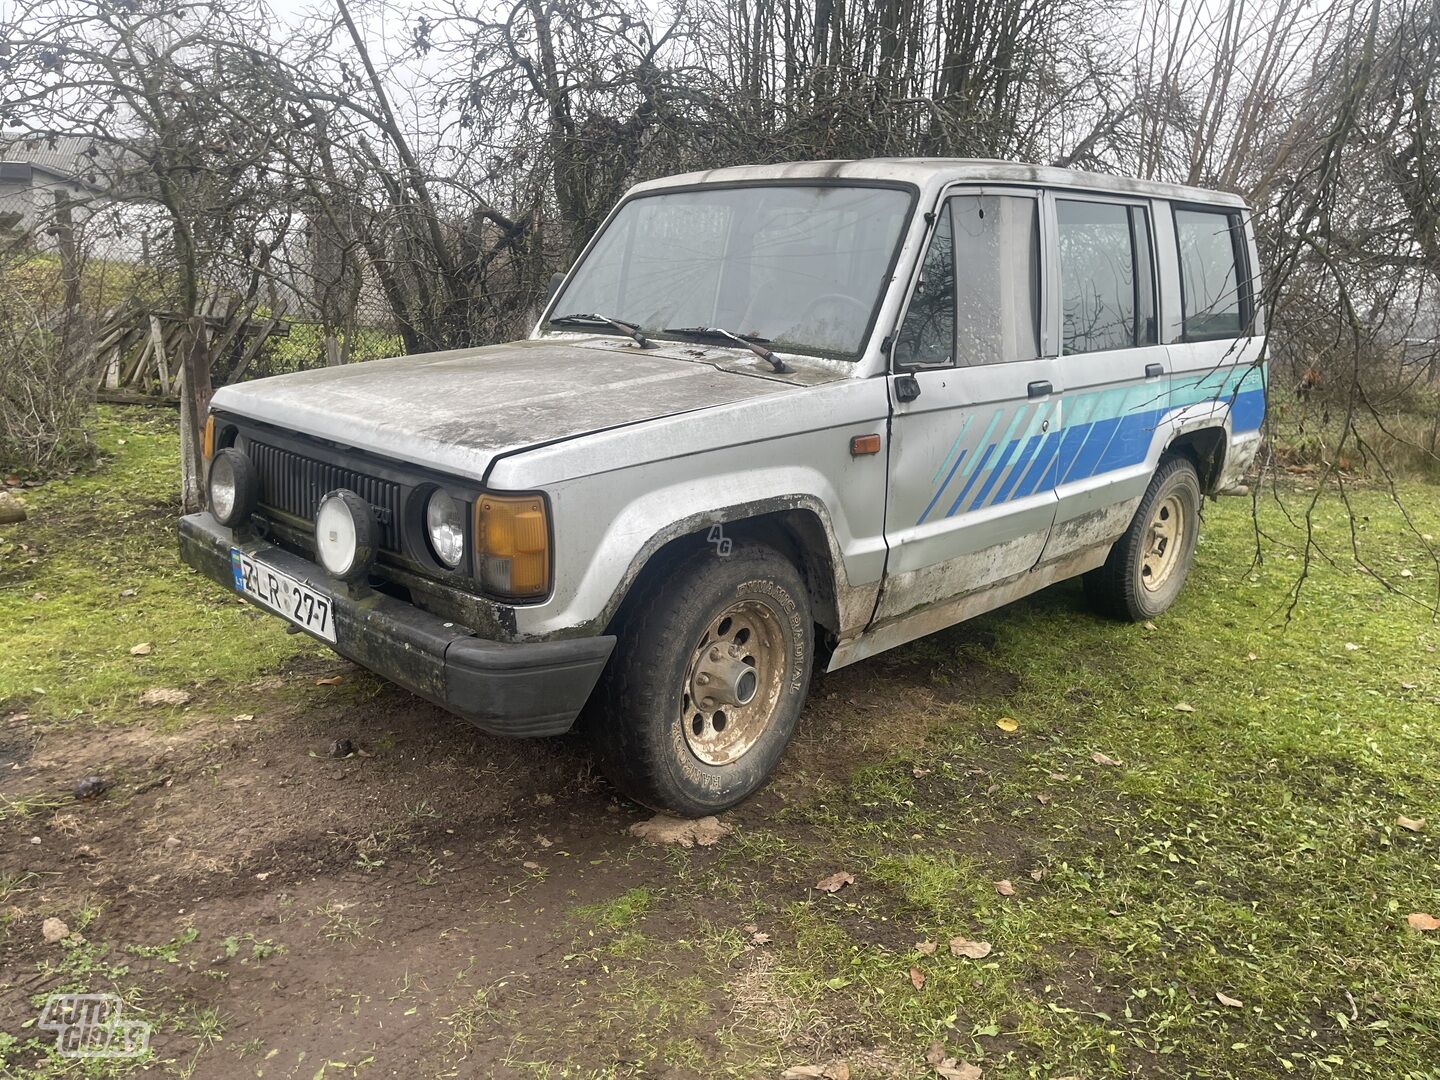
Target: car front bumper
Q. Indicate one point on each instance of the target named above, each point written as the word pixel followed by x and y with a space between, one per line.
pixel 519 688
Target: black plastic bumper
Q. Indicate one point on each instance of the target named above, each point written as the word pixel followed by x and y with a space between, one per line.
pixel 523 688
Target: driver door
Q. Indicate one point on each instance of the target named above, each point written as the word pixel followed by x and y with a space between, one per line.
pixel 976 408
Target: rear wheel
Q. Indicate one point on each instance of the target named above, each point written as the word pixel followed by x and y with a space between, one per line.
pixel 707 680
pixel 1148 566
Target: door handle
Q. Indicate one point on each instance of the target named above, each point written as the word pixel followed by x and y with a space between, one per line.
pixel 1154 371
pixel 1040 389
pixel 907 388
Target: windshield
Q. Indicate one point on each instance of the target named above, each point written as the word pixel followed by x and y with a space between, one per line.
pixel 799 267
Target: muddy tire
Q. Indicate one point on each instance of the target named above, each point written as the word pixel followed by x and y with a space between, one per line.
pixel 1148 566
pixel 707 680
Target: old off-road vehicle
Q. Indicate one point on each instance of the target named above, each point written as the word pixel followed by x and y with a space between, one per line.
pixel 774 417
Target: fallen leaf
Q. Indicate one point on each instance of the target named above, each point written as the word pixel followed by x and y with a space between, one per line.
pixel 759 937
pixel 1422 922
pixel 1251 657
pixel 163 696
pixel 951 1069
pixel 917 978
pixel 972 950
pixel 1406 573
pixel 1409 685
pixel 243 718
pixel 936 1054
pixel 925 948
pixel 1413 824
pixel 329 680
pixel 1350 646
pixel 1042 798
pixel 1228 1001
pixel 1184 706
pixel 143 649
pixel 530 865
pixel 1004 888
pixel 1006 723
pixel 1148 625
pixel 1037 873
pixel 1104 759
pixel 688 833
pixel 918 772
pixel 835 1070
pixel 835 882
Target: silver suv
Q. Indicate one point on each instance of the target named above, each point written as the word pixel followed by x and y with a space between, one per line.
pixel 774 417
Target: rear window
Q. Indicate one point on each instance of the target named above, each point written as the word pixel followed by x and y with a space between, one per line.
pixel 1212 285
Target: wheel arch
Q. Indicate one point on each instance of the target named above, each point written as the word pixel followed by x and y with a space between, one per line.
pixel 1206 447
pixel 796 526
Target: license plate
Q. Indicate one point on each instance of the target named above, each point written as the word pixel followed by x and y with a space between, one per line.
pixel 305 607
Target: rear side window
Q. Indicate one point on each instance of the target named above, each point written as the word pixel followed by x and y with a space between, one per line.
pixel 1107 276
pixel 978 298
pixel 1211 282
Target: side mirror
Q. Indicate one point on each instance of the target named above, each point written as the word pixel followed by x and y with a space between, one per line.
pixel 556 280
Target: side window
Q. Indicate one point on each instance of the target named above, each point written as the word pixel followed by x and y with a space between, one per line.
pixel 1107 276
pixel 1210 281
pixel 997 247
pixel 927 336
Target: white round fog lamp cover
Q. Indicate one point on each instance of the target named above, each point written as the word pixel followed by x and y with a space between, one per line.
pixel 344 534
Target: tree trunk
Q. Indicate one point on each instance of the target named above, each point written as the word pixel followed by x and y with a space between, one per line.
pixel 195 392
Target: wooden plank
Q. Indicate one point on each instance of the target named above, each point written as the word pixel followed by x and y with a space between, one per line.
pixel 252 349
pixel 157 339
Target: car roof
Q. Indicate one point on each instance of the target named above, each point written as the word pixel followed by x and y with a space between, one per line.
pixel 936 172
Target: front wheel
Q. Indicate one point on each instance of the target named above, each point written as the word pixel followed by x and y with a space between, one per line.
pixel 707 681
pixel 1148 566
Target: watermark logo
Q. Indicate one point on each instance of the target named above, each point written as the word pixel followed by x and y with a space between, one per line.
pixel 723 544
pixel 91 1026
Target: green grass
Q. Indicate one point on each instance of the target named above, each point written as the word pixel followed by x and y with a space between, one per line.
pixel 94 572
pixel 1248 847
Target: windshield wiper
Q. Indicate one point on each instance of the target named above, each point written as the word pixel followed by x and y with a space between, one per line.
pixel 590 319
pixel 750 342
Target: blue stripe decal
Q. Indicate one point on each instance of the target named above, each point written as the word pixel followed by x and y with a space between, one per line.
pixel 995 474
pixel 1003 493
pixel 1248 411
pixel 940 490
pixel 1088 456
pixel 959 435
pixel 971 482
pixel 1132 441
pixel 1107 430
pixel 1042 472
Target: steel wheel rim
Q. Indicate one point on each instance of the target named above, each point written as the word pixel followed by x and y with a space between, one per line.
pixel 733 682
pixel 1164 541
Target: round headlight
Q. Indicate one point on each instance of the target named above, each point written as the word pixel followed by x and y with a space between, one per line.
pixel 232 488
pixel 445 525
pixel 345 535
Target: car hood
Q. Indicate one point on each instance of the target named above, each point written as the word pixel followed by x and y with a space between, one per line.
pixel 457 411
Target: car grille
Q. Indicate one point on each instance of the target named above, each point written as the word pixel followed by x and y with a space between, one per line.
pixel 293 485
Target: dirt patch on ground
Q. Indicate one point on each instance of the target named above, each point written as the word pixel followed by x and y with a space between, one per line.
pixel 375 881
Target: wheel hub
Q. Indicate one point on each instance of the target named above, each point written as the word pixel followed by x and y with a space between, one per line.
pixel 1164 540
pixel 734 682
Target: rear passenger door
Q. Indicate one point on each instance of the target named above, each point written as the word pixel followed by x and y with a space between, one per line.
pixel 971 496
pixel 1114 370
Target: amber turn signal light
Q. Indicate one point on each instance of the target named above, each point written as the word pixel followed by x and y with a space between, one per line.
pixel 863 445
pixel 207 440
pixel 512 540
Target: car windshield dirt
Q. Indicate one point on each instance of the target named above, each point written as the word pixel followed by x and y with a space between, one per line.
pixel 798 266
